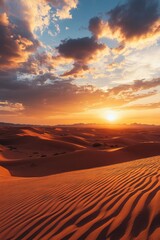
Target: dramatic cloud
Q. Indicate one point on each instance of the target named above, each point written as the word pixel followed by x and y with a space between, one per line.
pixel 36 14
pixel 129 22
pixel 135 19
pixel 17 41
pixel 19 21
pixel 81 51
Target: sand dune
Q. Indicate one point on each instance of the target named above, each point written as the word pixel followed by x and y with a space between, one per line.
pixel 79 183
pixel 75 139
pixel 31 144
pixel 82 159
pixel 4 172
pixel 27 132
pixel 114 202
pixel 71 139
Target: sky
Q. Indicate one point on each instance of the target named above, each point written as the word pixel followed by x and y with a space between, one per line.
pixel 72 61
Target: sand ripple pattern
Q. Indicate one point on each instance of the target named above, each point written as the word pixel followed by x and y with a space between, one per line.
pixel 114 202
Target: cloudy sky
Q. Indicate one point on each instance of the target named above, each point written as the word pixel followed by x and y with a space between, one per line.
pixel 69 61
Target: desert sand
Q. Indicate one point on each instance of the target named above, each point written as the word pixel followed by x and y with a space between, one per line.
pixel 79 183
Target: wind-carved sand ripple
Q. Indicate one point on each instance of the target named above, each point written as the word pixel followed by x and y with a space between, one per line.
pixel 114 202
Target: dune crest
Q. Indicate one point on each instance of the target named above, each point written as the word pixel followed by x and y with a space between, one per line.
pixel 27 132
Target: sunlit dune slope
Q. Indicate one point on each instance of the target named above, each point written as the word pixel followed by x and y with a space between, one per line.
pixel 4 172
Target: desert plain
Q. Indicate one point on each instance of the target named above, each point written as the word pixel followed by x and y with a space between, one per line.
pixel 79 182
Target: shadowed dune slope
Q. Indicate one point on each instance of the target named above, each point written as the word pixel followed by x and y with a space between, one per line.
pixel 36 142
pixel 21 147
pixel 77 160
pixel 114 202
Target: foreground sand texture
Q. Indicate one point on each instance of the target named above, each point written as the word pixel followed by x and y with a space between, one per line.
pixel 55 185
pixel 113 202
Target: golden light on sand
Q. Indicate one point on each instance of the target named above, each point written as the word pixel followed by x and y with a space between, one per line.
pixel 111 116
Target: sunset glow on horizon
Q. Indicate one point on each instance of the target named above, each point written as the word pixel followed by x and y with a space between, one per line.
pixel 111 116
pixel 65 62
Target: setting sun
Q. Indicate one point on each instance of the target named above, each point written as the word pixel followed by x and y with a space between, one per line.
pixel 111 116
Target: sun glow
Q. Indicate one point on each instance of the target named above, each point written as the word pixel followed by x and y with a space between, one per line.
pixel 111 116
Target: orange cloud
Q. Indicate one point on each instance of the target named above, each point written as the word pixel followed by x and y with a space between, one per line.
pixel 15 47
pixel 10 107
pixel 99 28
pixel 66 7
pixel 148 106
pixel 137 85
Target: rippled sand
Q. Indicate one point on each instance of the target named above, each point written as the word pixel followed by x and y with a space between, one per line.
pixel 115 202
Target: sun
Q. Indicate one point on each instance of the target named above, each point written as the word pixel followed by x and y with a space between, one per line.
pixel 111 116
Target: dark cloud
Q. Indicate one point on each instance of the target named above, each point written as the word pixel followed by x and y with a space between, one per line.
pixel 77 70
pixel 81 51
pixel 129 22
pixel 40 96
pixel 135 18
pixel 96 26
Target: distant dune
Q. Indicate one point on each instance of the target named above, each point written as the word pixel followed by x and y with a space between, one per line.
pixel 75 184
pixel 82 159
